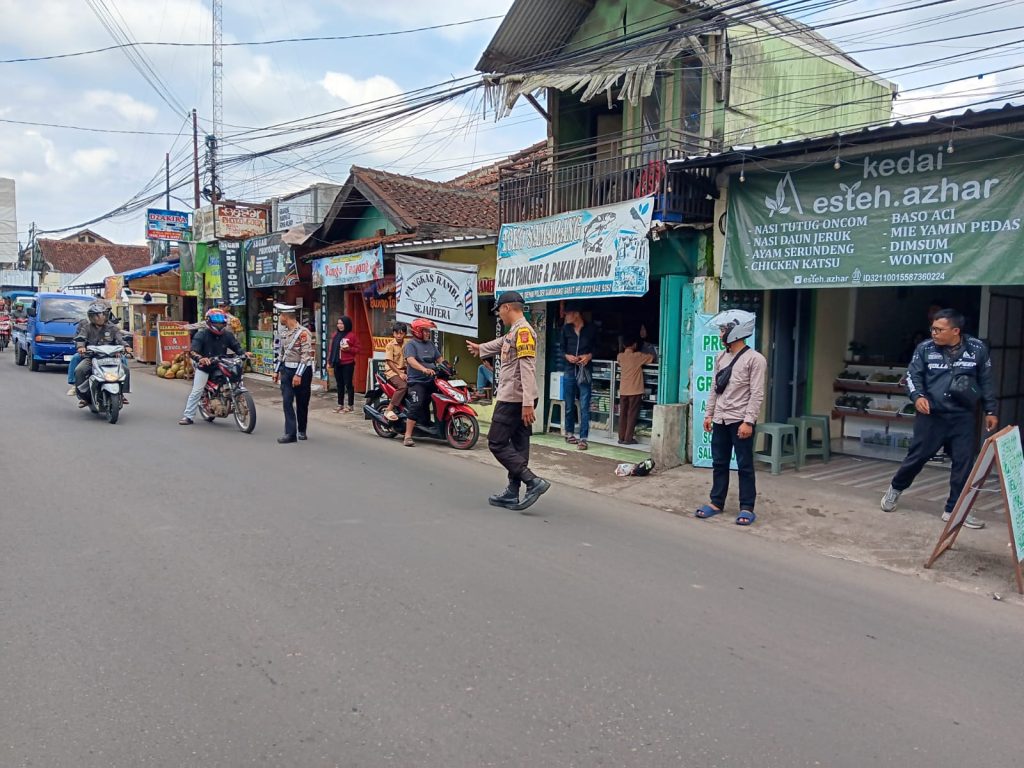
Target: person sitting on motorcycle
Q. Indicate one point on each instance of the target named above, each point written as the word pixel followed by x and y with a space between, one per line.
pixel 214 340
pixel 421 358
pixel 395 370
pixel 97 330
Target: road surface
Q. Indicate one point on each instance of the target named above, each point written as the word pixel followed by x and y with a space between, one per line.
pixel 194 596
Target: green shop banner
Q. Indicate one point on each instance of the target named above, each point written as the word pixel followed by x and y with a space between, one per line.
pixel 922 216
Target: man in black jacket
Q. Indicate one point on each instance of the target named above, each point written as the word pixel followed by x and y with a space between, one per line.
pixel 947 377
pixel 212 341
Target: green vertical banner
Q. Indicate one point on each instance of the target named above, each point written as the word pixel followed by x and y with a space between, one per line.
pixel 187 268
pixel 921 216
pixel 707 346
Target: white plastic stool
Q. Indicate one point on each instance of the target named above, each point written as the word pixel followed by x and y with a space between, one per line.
pixel 561 413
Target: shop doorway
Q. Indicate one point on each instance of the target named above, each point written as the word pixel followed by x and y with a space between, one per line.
pixel 789 348
pixel 1006 344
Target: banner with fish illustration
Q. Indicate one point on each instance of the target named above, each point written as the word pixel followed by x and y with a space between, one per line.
pixel 587 254
pixel 440 291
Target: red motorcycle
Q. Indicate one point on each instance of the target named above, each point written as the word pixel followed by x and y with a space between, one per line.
pixel 454 420
pixel 5 331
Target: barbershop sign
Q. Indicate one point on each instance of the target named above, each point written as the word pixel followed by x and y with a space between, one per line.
pixel 922 216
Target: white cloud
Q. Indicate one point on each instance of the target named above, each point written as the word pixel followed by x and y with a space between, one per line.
pixel 94 161
pixel 952 97
pixel 408 14
pixel 352 91
pixel 121 104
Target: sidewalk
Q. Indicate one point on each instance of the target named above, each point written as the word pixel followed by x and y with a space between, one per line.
pixel 829 508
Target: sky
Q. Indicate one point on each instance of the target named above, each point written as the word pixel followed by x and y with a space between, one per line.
pixel 65 177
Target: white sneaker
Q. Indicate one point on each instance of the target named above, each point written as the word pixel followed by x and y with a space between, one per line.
pixel 970 522
pixel 71 391
pixel 891 499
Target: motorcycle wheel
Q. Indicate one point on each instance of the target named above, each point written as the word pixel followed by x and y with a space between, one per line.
pixel 463 431
pixel 113 408
pixel 245 412
pixel 383 431
pixel 3 343
pixel 205 414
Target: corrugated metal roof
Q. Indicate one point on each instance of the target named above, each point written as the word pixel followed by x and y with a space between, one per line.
pixel 944 125
pixel 532 31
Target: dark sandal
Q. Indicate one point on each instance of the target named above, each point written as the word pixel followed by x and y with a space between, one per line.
pixel 582 445
pixel 746 517
pixel 705 511
pixel 571 439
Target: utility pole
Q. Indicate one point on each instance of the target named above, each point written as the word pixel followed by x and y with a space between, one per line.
pixel 218 91
pixel 167 178
pixel 195 158
pixel 32 255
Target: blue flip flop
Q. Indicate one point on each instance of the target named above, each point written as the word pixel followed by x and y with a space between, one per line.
pixel 704 511
pixel 746 517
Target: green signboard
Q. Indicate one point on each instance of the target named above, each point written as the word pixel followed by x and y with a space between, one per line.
pixel 921 216
pixel 1011 468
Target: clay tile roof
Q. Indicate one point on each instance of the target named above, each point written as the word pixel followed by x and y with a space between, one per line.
pixel 71 258
pixel 419 201
pixel 488 176
pixel 354 246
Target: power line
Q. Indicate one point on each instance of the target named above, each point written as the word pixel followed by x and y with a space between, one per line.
pixel 278 41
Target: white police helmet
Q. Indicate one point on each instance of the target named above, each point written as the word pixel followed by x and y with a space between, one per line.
pixel 740 324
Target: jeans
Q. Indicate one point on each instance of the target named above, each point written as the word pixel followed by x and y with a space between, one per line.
pixel 952 431
pixel 295 400
pixel 344 373
pixel 192 404
pixel 573 390
pixel 484 377
pixel 725 438
pixel 75 360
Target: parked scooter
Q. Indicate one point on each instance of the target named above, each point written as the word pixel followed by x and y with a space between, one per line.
pixel 225 394
pixel 103 391
pixel 454 420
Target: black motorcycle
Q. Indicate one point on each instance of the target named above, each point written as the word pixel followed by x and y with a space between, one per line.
pixel 225 394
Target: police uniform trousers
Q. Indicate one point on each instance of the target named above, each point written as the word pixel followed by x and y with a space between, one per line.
pixel 295 400
pixel 509 441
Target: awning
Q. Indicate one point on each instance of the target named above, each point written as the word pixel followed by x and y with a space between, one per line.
pixel 635 68
pixel 152 269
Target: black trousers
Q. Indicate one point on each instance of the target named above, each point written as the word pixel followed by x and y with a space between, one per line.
pixel 295 400
pixel 724 439
pixel 509 441
pixel 952 431
pixel 343 374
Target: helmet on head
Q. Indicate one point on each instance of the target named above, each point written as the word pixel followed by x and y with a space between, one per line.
pixel 421 328
pixel 735 324
pixel 96 309
pixel 216 320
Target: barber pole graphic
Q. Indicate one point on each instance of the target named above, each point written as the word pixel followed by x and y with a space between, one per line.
pixel 470 299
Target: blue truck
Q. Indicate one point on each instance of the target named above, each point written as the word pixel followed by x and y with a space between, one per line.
pixel 48 335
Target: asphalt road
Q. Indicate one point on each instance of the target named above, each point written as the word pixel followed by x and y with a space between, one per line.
pixel 197 597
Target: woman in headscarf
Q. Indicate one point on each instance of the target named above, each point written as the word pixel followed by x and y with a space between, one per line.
pixel 342 357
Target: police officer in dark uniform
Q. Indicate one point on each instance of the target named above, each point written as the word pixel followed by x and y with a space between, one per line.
pixel 514 411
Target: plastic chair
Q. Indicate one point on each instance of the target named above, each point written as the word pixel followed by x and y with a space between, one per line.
pixel 806 445
pixel 780 445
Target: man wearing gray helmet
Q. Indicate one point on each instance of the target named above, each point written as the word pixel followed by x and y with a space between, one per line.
pixel 734 403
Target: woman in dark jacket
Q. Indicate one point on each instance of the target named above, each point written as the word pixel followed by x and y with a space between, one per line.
pixel 344 348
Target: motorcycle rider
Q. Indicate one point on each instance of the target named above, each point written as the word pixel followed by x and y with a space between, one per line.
pixel 421 358
pixel 214 340
pixel 97 330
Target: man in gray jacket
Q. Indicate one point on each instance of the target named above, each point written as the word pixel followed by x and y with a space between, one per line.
pixel 947 377
pixel 97 330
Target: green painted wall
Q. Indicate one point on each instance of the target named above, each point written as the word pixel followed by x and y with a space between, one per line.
pixel 368 224
pixel 779 90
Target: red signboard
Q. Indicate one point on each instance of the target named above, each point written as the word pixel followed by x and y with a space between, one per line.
pixel 172 339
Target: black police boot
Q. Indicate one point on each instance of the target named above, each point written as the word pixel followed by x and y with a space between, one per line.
pixel 507 498
pixel 535 488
